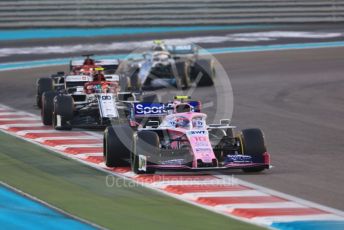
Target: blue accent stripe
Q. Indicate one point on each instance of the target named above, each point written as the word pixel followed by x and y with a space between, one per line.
pixel 115 31
pixel 19 212
pixel 313 45
pixel 309 225
pixel 65 61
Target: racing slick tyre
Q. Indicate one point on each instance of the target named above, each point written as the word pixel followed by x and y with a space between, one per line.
pixel 48 107
pixel 116 150
pixel 254 146
pixel 204 70
pixel 146 145
pixel 63 112
pixel 183 74
pixel 44 84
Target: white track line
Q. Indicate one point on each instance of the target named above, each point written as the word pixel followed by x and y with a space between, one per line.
pixel 24 132
pixel 22 118
pixel 19 124
pixel 287 204
pixel 243 193
pixel 86 137
pixel 63 147
pixel 274 219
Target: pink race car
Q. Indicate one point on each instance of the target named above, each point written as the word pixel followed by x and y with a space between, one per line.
pixel 175 136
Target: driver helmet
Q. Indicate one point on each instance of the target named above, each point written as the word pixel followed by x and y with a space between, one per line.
pixel 158 45
pixel 99 75
pixel 99 70
pixel 89 61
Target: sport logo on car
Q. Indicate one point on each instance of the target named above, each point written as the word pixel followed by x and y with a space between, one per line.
pixel 155 109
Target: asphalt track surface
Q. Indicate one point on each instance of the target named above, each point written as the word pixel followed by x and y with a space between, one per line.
pixel 106 40
pixel 294 96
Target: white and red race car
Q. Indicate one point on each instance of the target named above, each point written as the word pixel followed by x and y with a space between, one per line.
pixel 182 140
pixel 89 97
pixel 81 71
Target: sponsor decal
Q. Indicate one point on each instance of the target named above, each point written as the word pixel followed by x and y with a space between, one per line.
pixel 200 142
pixel 181 49
pixel 74 78
pixel 158 109
pixel 198 123
pixel 198 132
pixel 173 162
pixel 106 97
pixel 107 106
pixel 199 150
pixel 144 109
pixel 238 159
pixel 198 138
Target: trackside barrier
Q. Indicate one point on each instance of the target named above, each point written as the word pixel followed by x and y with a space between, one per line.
pixel 102 13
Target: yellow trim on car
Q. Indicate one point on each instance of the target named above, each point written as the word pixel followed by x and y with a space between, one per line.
pixel 241 143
